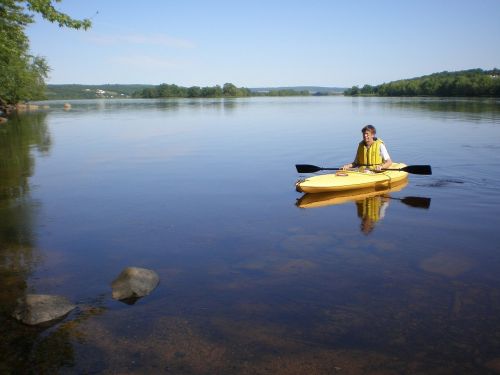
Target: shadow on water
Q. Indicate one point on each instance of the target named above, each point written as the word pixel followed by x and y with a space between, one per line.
pixel 371 204
pixel 25 349
pixel 443 182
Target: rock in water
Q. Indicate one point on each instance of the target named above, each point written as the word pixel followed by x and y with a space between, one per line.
pixel 35 309
pixel 134 283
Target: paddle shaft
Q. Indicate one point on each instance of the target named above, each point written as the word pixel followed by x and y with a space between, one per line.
pixel 364 165
pixel 415 169
pixel 371 165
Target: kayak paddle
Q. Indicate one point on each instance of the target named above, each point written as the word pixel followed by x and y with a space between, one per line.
pixel 414 169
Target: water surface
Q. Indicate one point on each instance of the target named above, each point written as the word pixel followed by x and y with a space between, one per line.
pixel 202 192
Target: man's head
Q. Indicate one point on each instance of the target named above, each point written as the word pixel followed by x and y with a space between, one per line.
pixel 369 128
pixel 369 132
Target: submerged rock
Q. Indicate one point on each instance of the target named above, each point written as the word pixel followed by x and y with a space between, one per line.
pixel 133 283
pixel 447 263
pixel 36 309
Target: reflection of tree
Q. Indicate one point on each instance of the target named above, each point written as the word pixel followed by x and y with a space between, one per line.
pixel 460 109
pixel 371 210
pixel 17 258
pixel 17 138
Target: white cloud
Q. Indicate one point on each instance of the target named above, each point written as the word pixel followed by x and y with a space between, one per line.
pixel 148 61
pixel 142 39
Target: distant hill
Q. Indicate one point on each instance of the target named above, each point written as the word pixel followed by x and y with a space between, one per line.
pixel 74 91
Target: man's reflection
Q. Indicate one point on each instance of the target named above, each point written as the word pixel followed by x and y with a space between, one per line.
pixel 371 205
pixel 371 210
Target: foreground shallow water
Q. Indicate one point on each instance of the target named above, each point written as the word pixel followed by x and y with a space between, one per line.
pixel 252 279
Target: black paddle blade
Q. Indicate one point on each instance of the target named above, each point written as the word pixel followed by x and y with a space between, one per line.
pixel 418 169
pixel 418 202
pixel 307 168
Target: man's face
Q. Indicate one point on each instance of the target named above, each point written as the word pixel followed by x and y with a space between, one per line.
pixel 368 137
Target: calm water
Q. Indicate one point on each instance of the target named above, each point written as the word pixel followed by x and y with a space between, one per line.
pixel 253 281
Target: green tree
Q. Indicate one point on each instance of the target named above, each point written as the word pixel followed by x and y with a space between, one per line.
pixel 367 90
pixel 194 92
pixel 229 89
pixel 211 92
pixel 243 91
pixel 354 90
pixel 22 76
pixel 171 91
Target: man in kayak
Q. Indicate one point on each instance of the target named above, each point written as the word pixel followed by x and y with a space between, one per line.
pixel 371 152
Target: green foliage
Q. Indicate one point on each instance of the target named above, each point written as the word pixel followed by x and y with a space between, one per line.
pixel 194 92
pixel 466 83
pixel 211 92
pixel 22 76
pixel 229 90
pixel 173 91
pixel 353 91
pixel 287 92
pixel 48 12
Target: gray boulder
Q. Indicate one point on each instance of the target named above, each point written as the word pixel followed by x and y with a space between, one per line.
pixel 133 283
pixel 36 309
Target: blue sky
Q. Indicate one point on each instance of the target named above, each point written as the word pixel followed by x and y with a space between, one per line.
pixel 268 42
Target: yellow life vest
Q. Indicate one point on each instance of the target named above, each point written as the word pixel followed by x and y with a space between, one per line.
pixel 369 208
pixel 369 155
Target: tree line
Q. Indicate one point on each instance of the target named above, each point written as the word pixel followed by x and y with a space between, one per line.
pixel 228 90
pixel 173 91
pixel 465 83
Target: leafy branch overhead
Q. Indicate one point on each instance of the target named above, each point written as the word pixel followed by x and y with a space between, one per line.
pixel 22 75
pixel 51 14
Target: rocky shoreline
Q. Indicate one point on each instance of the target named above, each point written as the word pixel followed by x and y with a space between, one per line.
pixel 128 287
pixel 7 110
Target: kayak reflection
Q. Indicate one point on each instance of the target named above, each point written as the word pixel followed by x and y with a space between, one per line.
pixel 371 204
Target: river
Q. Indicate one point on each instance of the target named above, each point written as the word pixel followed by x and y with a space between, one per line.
pixel 252 279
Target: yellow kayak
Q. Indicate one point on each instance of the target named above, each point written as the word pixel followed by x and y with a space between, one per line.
pixel 352 180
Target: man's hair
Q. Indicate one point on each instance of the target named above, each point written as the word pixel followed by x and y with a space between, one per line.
pixel 370 128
